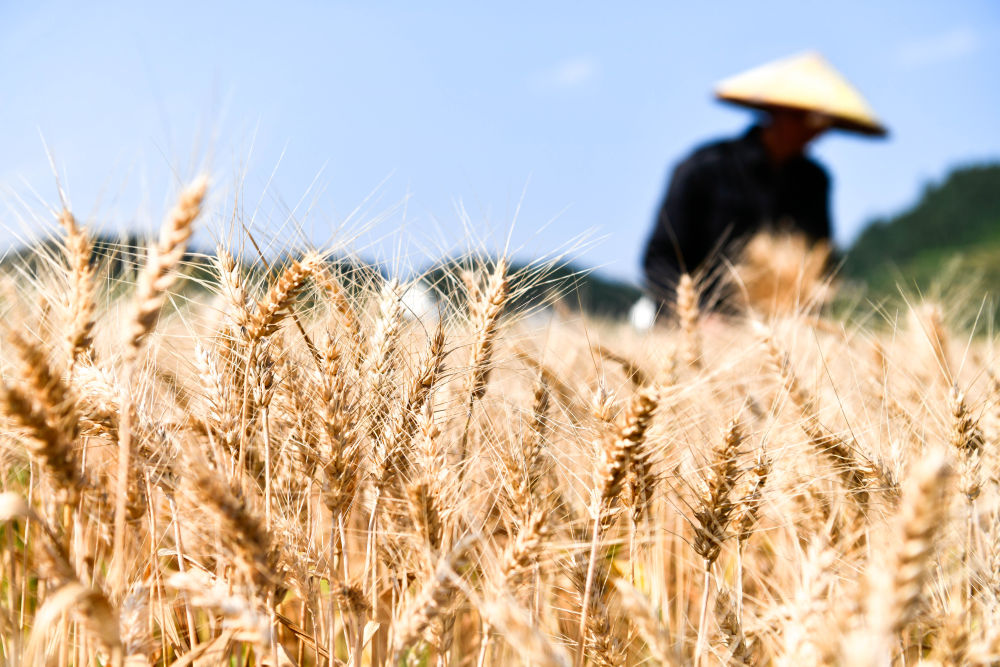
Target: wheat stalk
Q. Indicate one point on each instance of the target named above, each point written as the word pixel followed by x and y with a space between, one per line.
pixel 628 441
pixel 152 287
pixel 715 509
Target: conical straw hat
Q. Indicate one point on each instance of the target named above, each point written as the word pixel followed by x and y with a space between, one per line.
pixel 807 82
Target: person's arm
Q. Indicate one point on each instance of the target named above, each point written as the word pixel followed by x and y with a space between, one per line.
pixel 679 241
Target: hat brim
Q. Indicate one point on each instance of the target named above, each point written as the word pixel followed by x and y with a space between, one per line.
pixel 867 128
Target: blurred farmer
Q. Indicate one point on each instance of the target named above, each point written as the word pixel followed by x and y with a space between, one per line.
pixel 726 191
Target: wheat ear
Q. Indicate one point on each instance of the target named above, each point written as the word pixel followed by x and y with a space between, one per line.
pixel 526 467
pixel 711 519
pixel 381 356
pixel 687 314
pixel 526 549
pixel 642 481
pixel 242 529
pixel 716 504
pixel 629 439
pixel 967 440
pixel 485 308
pixel 45 408
pixel 277 301
pixel 395 462
pixel 922 518
pixel 343 453
pixel 232 287
pixel 159 273
pixel 78 249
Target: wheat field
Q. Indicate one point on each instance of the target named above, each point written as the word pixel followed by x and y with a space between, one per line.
pixel 287 467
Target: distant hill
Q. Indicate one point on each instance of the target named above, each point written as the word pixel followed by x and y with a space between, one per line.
pixel 951 234
pixel 531 285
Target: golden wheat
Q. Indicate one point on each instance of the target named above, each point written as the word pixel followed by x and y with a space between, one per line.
pixel 202 484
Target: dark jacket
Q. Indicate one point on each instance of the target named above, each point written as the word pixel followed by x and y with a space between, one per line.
pixel 720 195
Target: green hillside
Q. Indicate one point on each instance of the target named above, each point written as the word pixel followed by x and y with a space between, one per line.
pixel 951 234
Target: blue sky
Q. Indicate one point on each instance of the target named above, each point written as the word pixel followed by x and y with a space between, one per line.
pixel 431 123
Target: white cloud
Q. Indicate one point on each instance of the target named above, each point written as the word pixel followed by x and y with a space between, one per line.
pixel 567 74
pixel 941 48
